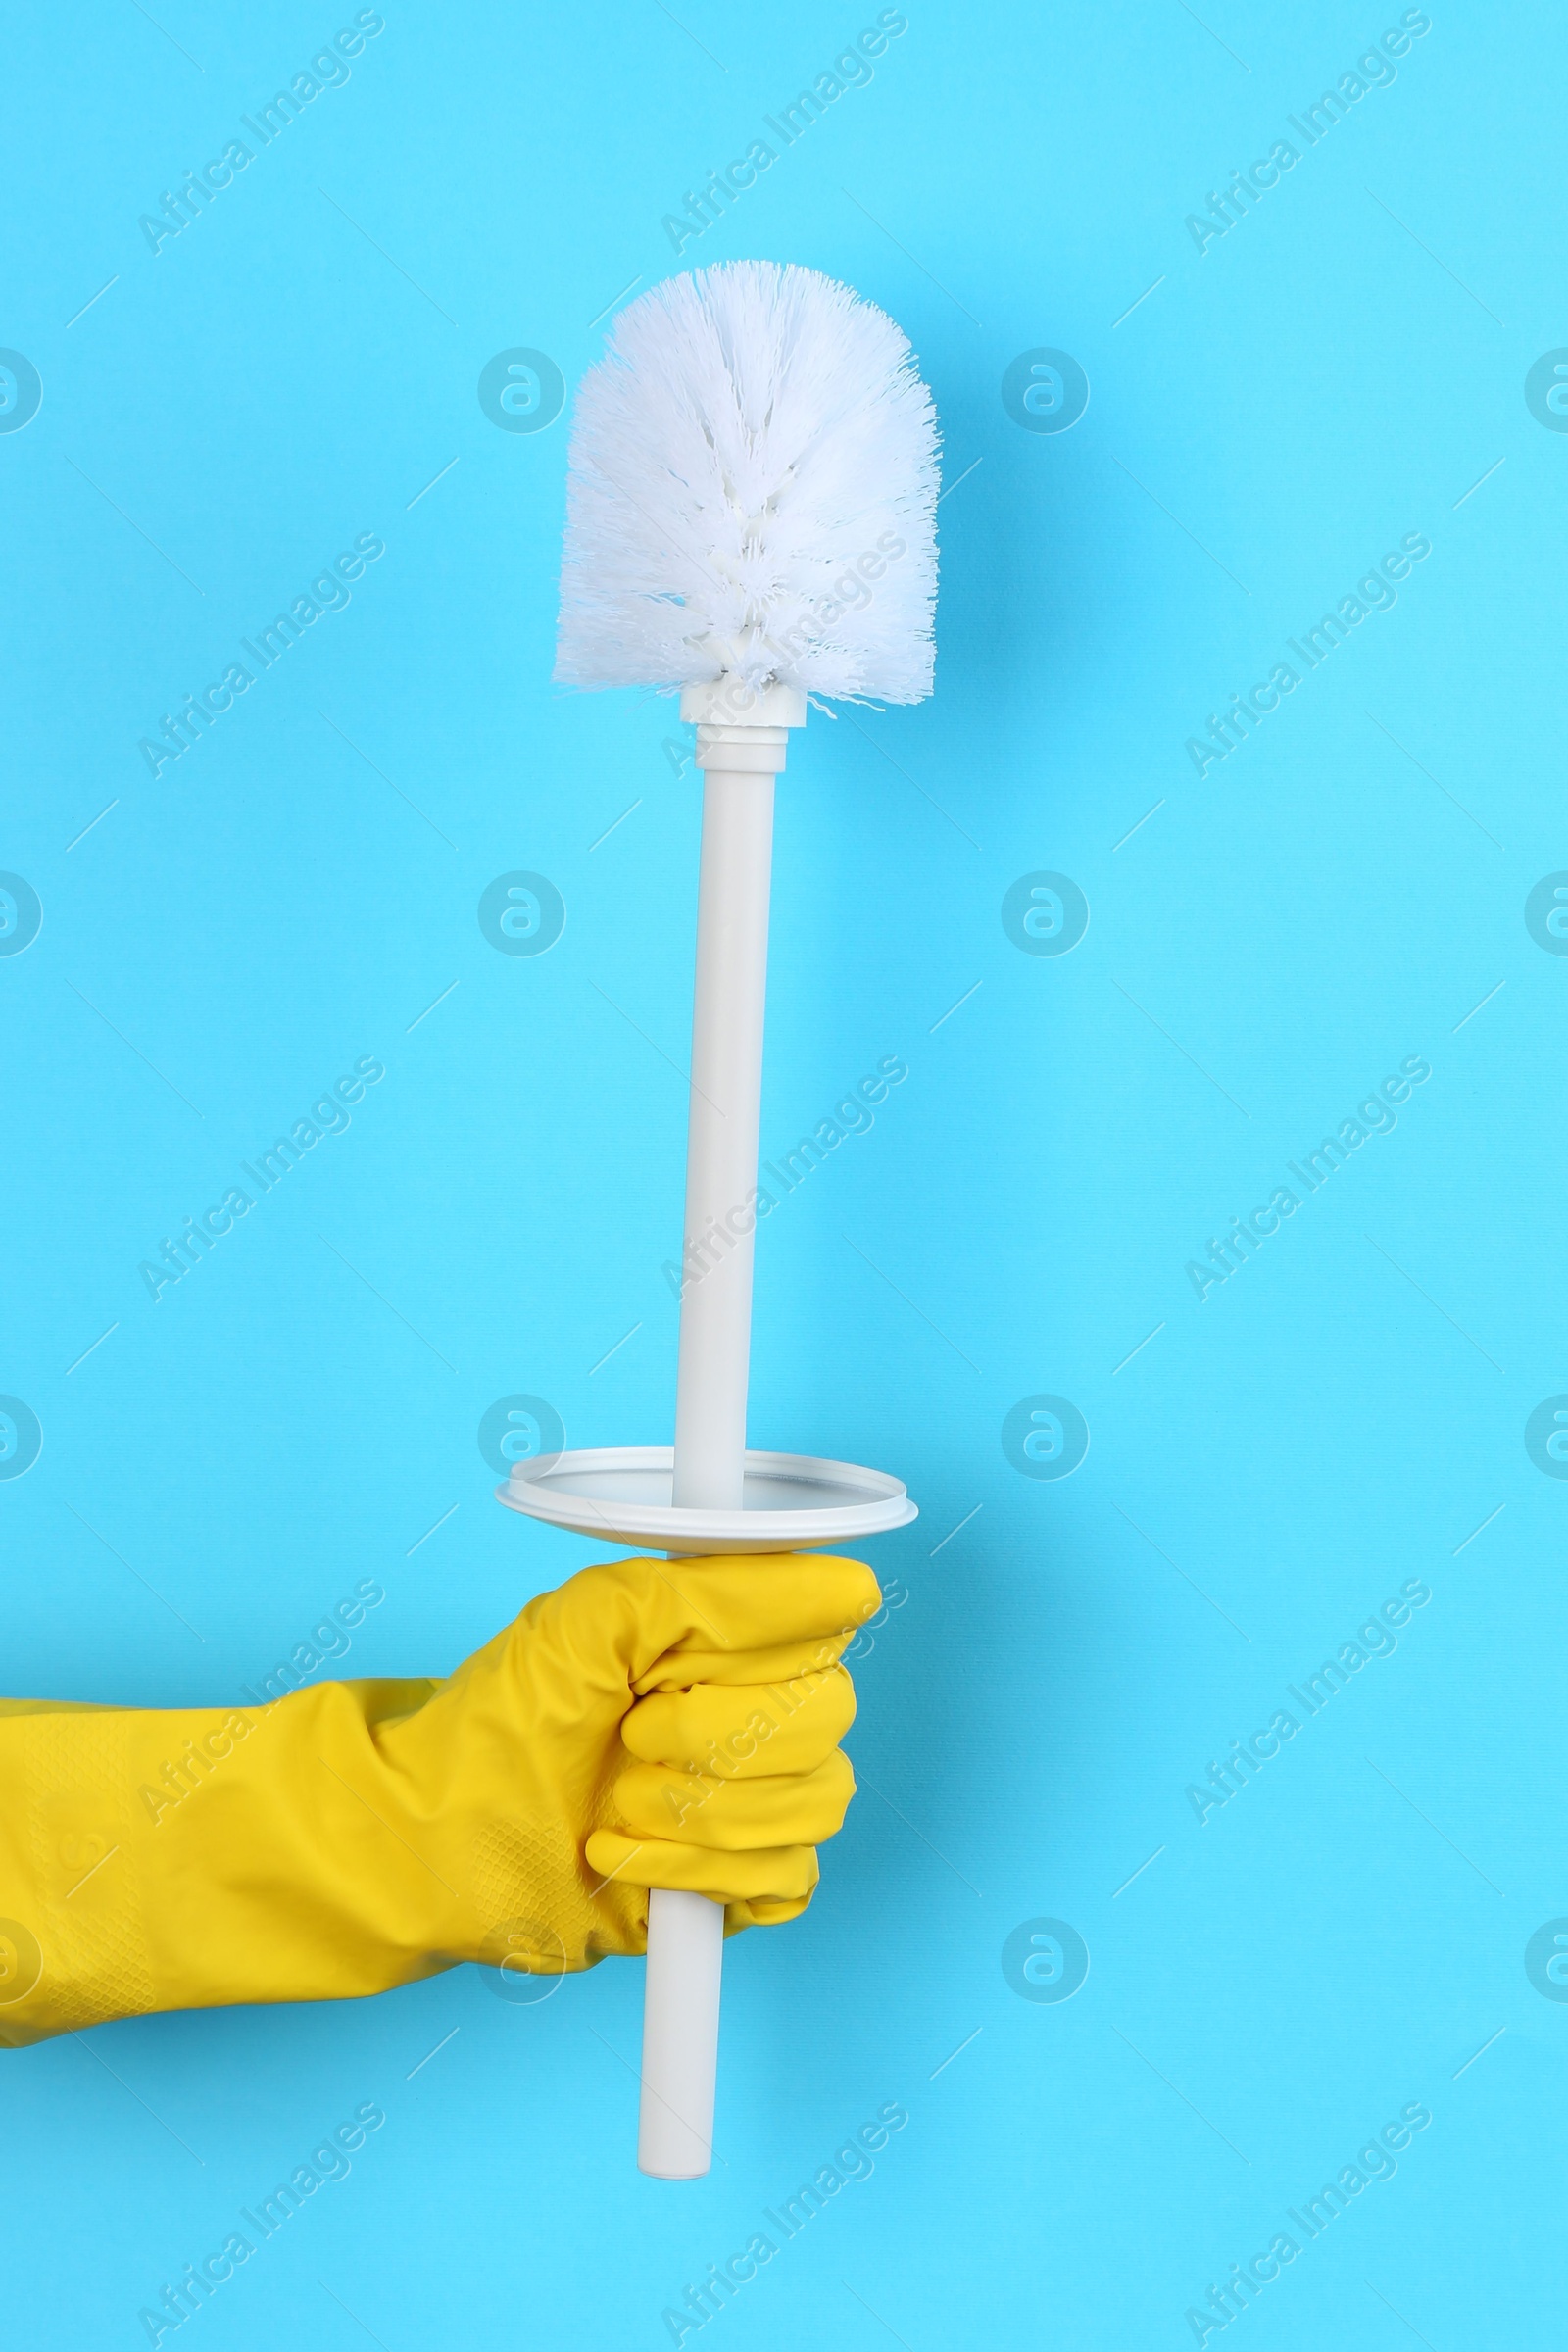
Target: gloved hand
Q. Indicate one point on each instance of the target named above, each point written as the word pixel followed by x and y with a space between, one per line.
pixel 650 1722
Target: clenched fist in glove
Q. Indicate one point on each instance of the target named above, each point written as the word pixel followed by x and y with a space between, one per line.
pixel 649 1724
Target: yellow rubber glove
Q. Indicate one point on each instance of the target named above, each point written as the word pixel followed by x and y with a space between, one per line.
pixel 649 1724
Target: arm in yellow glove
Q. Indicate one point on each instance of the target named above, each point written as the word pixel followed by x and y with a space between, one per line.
pixel 648 1724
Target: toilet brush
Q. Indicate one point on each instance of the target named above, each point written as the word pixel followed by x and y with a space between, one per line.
pixel 751 519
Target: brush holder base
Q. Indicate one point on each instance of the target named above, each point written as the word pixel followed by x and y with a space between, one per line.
pixel 791 1502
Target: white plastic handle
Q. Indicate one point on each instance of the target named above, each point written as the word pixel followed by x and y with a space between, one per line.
pixel 680 2034
pixel 715 1310
pixel 686 1932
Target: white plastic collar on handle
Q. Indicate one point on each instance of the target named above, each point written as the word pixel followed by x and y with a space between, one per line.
pixel 742 741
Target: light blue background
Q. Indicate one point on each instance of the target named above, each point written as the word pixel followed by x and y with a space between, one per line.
pixel 1340 369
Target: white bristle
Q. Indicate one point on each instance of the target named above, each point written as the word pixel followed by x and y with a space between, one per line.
pixel 752 485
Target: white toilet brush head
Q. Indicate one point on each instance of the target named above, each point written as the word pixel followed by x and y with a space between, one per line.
pixel 752 486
